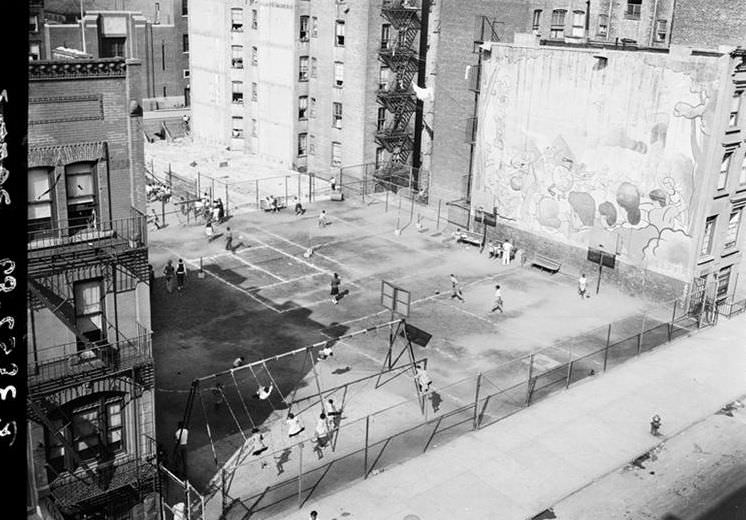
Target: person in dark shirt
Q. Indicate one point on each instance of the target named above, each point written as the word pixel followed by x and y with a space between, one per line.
pixel 335 288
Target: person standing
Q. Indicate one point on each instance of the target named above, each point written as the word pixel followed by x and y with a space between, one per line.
pixel 582 286
pixel 238 361
pixel 294 425
pixel 168 274
pixel 507 249
pixel 335 288
pixel 333 182
pixel 299 210
pixel 498 303
pixel 182 438
pixel 322 219
pixel 423 379
pixel 221 211
pixel 181 273
pixel 455 289
pixel 228 240
pixel 322 431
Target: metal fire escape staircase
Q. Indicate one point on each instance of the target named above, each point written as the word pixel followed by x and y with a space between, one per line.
pixel 117 250
pixel 402 59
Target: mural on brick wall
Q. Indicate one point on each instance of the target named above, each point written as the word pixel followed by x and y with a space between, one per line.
pixel 566 147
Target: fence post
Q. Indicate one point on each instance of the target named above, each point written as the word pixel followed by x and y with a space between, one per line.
pixel 437 219
pixel 300 193
pixel 365 459
pixel 223 492
pixel 310 188
pixel 256 188
pixel 226 199
pixel 199 186
pixel 286 190
pixel 606 350
pixel 530 375
pixel 569 373
pixel 476 402
pixel 387 202
pixel 300 475
pixel 163 213
pixel 170 180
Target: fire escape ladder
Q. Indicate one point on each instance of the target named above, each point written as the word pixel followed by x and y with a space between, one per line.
pixel 60 306
pixel 40 414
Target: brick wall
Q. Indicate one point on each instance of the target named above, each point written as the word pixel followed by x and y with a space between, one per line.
pixel 709 24
pixel 454 103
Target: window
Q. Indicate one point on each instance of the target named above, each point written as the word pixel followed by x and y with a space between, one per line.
pixel 254 128
pixel 578 24
pixel 112 48
pixel 254 91
pixel 724 167
pixel 314 27
pixel 254 19
pixel 81 195
pixel 237 56
pixel 314 67
pixel 339 74
pixel 302 145
pixel 536 22
pixel 237 127
pixel 723 283
pixel 313 107
pixel 734 225
pixel 303 68
pixel 34 51
pixel 96 431
pixel 383 78
pixel 708 235
pixel 303 32
pixel 89 310
pixel 603 25
pixel 735 107
pixel 33 23
pixel 381 119
pixel 385 36
pixel 254 56
pixel 237 92
pixel 339 33
pixel 337 115
pixel 237 20
pixel 379 157
pixel 185 73
pixel 661 30
pixel 634 7
pixel 336 154
pixel 39 199
pixel 312 144
pixel 185 43
pixel 303 108
pixel 557 30
pixel 184 7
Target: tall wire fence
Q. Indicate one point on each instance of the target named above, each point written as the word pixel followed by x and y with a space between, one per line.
pixel 288 477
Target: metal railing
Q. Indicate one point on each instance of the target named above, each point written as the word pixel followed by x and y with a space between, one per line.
pixel 63 361
pixel 90 231
pixel 731 307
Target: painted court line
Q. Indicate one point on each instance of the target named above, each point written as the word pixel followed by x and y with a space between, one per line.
pixel 298 279
pixel 241 259
pixel 280 237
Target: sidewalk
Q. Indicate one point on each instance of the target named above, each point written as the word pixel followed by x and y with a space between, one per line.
pixel 526 463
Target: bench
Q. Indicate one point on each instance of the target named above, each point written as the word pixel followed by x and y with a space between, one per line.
pixel 546 263
pixel 266 207
pixel 470 237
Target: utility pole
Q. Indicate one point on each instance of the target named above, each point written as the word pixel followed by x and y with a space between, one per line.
pixel 82 26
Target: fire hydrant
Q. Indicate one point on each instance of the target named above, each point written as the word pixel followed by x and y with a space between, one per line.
pixel 655 425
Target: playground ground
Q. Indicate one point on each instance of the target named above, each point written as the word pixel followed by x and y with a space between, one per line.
pixel 265 298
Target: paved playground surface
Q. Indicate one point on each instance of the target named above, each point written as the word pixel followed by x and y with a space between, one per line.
pixel 264 298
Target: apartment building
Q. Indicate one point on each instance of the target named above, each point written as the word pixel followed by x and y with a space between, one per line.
pixel 154 32
pixel 644 158
pixel 89 366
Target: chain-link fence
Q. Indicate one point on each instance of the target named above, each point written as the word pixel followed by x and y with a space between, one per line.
pixel 287 477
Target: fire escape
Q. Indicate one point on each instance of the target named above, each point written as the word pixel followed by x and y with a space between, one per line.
pixel 398 97
pixel 101 359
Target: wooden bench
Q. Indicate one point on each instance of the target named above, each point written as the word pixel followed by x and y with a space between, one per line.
pixel 470 237
pixel 546 263
pixel 266 207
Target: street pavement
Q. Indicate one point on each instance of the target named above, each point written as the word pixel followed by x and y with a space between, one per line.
pixel 543 456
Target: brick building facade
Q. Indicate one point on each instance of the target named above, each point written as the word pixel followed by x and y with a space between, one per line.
pixel 90 367
pixel 709 24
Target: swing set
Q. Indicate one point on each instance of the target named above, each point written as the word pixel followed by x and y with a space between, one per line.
pixel 400 362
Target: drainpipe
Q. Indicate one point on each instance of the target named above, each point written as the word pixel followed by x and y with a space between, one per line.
pixel 82 26
pixel 588 19
pixel 421 82
pixel 608 19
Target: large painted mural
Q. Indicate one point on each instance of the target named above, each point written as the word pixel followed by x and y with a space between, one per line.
pixel 570 147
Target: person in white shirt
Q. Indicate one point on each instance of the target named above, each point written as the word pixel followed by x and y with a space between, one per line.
pixel 262 393
pixel 257 442
pixel 455 289
pixel 498 303
pixel 322 219
pixel 182 438
pixel 507 248
pixel 423 380
pixel 295 427
pixel 238 361
pixel 325 353
pixel 582 286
